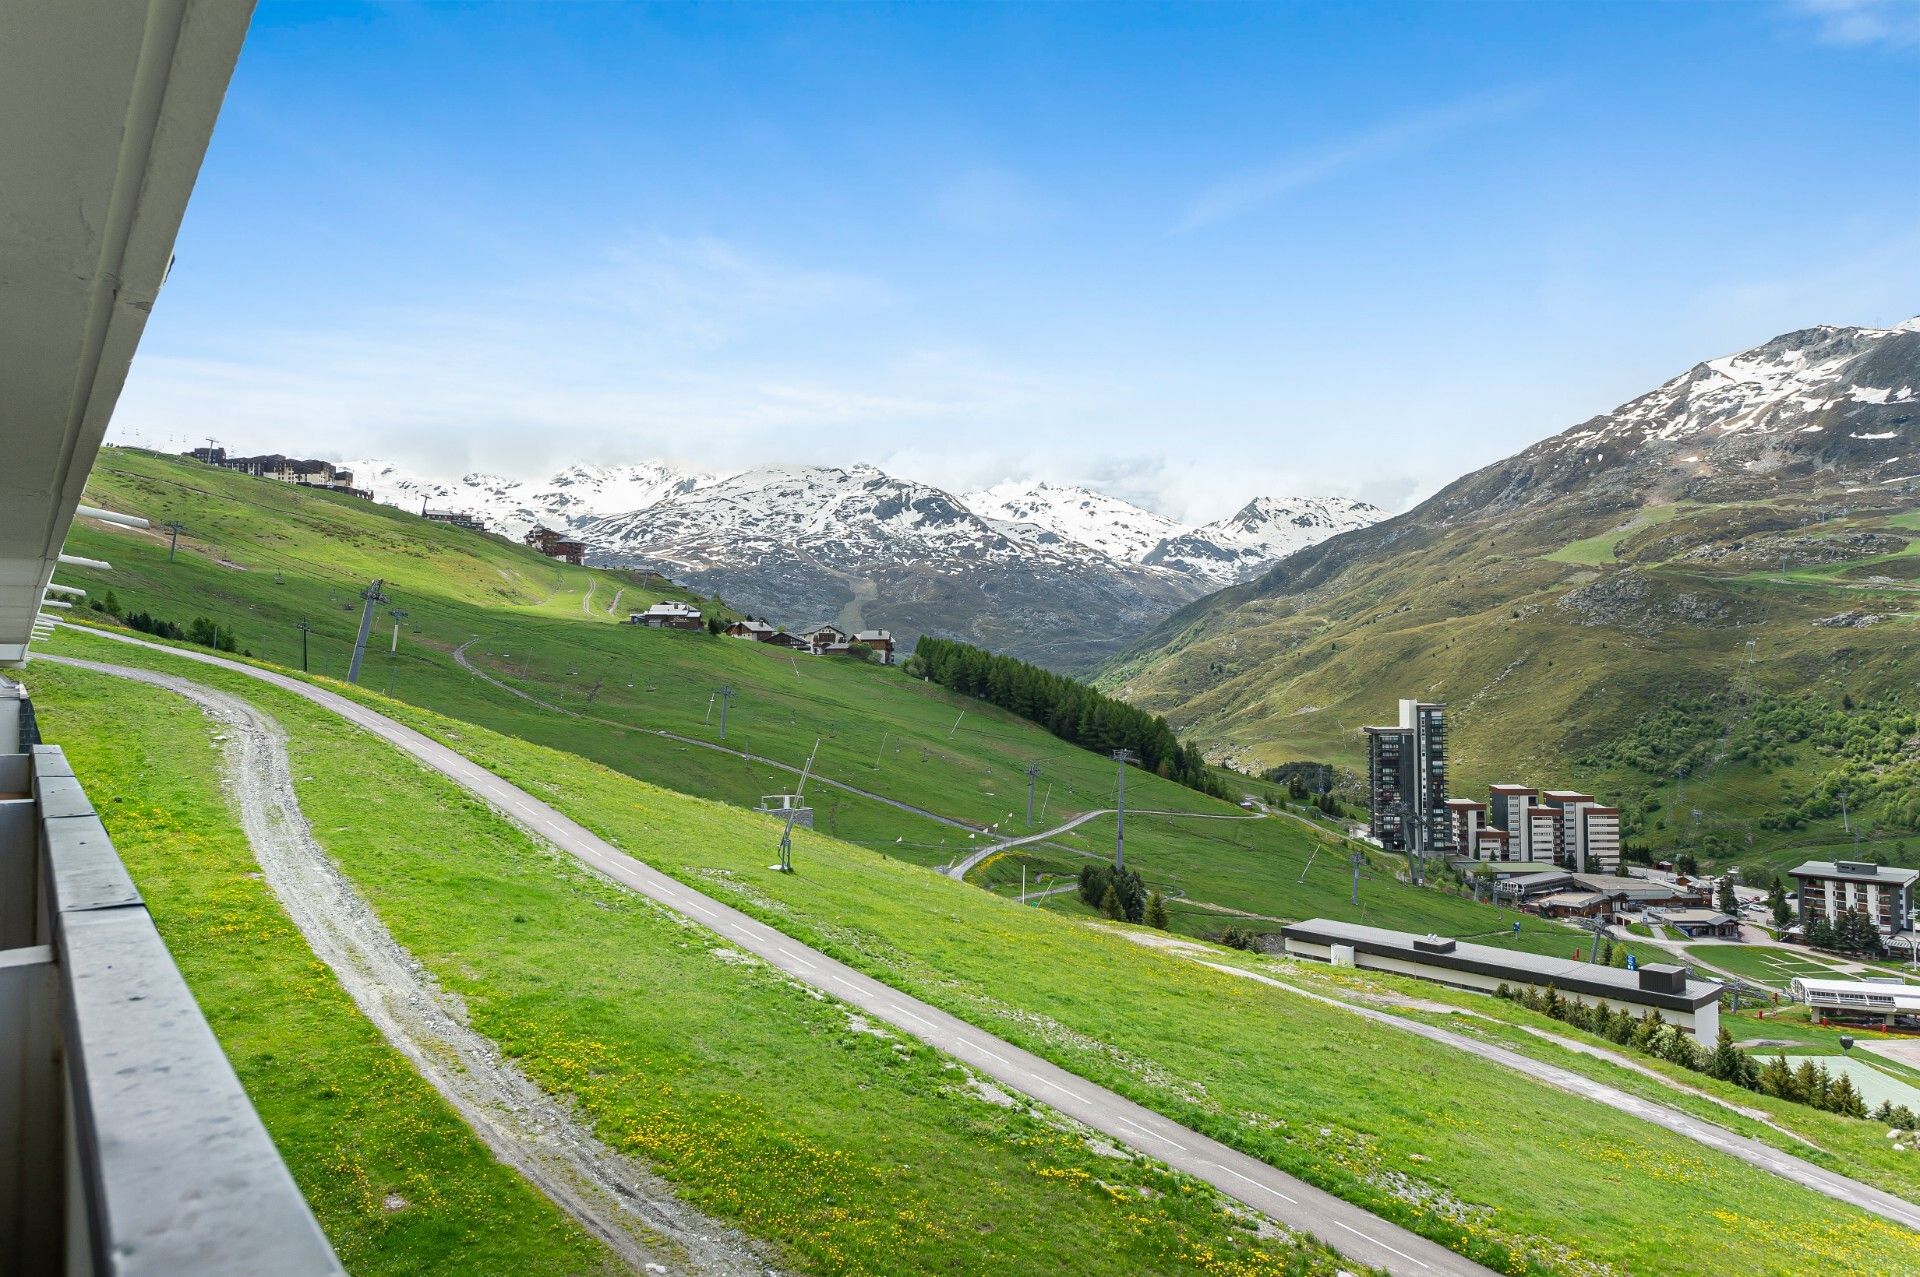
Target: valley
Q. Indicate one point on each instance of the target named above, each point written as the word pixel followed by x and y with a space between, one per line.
pixel 1740 534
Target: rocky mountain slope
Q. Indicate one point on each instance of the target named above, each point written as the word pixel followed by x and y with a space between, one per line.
pixel 567 500
pixel 1748 524
pixel 1260 534
pixel 862 549
pixel 1056 574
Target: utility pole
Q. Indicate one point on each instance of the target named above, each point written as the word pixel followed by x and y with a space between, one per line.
pixel 304 627
pixel 1121 757
pixel 372 599
pixel 173 539
pixel 398 614
pixel 1357 860
pixel 1033 774
pixel 1844 825
pixel 725 694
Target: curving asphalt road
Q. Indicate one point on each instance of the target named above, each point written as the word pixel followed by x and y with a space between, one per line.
pixel 1354 1232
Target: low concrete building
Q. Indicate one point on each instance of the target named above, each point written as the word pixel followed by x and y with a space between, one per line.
pixel 1691 1004
pixel 1700 924
pixel 1886 1004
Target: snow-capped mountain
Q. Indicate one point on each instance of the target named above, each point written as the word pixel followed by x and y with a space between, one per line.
pixel 1264 531
pixel 1118 529
pixel 862 549
pixel 1839 403
pixel 1056 573
pixel 565 501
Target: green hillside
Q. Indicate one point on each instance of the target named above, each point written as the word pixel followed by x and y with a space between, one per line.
pixel 1339 1100
pixel 259 557
pixel 1557 632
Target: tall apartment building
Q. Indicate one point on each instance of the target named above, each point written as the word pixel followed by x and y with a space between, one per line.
pixel 1388 749
pixel 1407 778
pixel 1509 809
pixel 1829 888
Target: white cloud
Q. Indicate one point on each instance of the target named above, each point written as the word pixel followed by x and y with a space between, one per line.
pixel 1861 22
pixel 1249 189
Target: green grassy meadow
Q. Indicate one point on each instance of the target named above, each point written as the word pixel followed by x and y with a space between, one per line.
pixel 851 1150
pixel 263 556
pixel 359 1128
pixel 1524 1176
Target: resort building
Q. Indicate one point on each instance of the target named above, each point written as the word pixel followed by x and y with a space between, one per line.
pixel 668 615
pixel 1693 1005
pixel 1407 779
pixel 1830 888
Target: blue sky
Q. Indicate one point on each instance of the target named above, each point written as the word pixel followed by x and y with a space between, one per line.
pixel 1186 253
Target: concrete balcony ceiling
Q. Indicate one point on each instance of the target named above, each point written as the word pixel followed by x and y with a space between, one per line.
pixel 106 107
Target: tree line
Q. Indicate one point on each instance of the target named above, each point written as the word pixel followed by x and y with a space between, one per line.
pixel 1069 709
pixel 1811 1084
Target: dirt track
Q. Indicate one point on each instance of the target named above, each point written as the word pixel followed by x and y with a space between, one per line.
pixel 621 1202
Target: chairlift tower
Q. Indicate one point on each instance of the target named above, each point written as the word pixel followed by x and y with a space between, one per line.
pixel 371 598
pixel 1121 757
pixel 1033 774
pixel 794 808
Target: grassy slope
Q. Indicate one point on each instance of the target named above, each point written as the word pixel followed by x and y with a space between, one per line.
pixel 262 556
pixel 351 1117
pixel 1474 616
pixel 1535 1170
pixel 734 1082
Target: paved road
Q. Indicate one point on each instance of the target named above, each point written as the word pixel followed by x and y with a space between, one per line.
pixel 1354 1232
pixel 1753 1152
pixel 460 656
pixel 965 867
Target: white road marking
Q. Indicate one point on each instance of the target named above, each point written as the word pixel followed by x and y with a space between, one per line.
pixel 897 1010
pixel 1149 1134
pixel 797 958
pixel 699 908
pixel 1383 1246
pixel 1256 1183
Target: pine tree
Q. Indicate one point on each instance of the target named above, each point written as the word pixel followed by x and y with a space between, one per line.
pixel 1110 904
pixel 1777 901
pixel 1606 953
pixel 1810 1084
pixel 1845 1099
pixel 1619 958
pixel 1777 1079
pixel 1724 1062
pixel 1729 902
pixel 1157 911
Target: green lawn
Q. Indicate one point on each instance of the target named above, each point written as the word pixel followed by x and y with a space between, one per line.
pixel 355 1123
pixel 854 1151
pixel 1513 1171
pixel 1764 964
pixel 263 556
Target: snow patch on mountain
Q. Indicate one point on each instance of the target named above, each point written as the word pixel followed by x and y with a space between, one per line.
pixel 1258 535
pixel 1118 529
pixel 565 501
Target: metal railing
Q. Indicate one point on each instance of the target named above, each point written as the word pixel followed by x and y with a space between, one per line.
pixel 127 1145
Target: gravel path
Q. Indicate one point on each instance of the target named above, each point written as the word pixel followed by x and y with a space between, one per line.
pixel 617 1200
pixel 1361 1235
